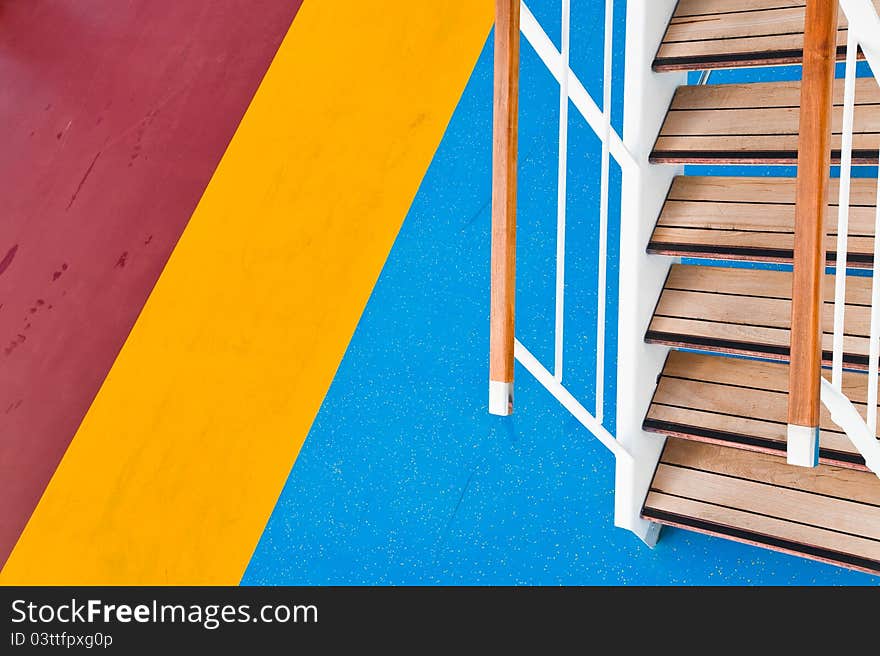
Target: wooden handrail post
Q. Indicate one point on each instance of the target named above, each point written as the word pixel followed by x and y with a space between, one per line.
pixel 506 103
pixel 814 164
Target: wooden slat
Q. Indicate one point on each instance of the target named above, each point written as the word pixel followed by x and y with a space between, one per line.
pixel 769 312
pixel 741 403
pixel 831 481
pixel 756 282
pixel 761 498
pixel 748 312
pixel 755 373
pixel 708 34
pixel 745 433
pixel 758 123
pixel 753 219
pixel 691 8
pixel 722 189
pixel 749 246
pixel 828 513
pixel 754 341
pixel 767 532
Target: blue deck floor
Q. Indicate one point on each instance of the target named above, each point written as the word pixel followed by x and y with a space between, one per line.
pixel 405 478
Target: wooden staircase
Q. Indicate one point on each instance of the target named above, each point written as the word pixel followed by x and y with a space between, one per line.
pixel 723 469
pixel 709 34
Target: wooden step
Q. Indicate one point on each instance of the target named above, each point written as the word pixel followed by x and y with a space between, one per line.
pixel 708 34
pixel 742 403
pixel 748 312
pixel 753 219
pixel 758 124
pixel 825 513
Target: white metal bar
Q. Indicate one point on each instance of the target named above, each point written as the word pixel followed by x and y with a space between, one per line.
pixel 586 106
pixel 844 414
pixel 874 342
pixel 849 104
pixel 863 19
pixel 564 66
pixel 603 211
pixel 530 362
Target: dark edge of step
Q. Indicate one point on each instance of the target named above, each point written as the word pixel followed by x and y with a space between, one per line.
pixel 725 438
pixel 857 362
pixel 776 157
pixel 742 535
pixel 782 255
pixel 736 60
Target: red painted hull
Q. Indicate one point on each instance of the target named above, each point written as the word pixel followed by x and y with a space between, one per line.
pixel 113 117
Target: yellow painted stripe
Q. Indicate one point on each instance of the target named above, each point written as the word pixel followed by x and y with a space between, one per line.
pixel 177 465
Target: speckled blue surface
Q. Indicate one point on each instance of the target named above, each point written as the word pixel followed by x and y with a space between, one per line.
pixel 405 478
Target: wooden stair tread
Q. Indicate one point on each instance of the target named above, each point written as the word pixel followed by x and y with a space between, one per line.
pixel 748 312
pixel 708 34
pixel 743 404
pixel 758 124
pixel 826 513
pixel 753 219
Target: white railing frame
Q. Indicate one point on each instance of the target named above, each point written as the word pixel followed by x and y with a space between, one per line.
pixel 599 120
pixel 640 208
pixel 864 32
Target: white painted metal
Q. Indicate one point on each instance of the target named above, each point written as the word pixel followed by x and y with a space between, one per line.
pixel 601 291
pixel 864 32
pixel 537 38
pixel 646 98
pixel 849 107
pixel 874 340
pixel 530 362
pixel 844 414
pixel 803 445
pixel 863 19
pixel 644 188
pixel 561 187
pixel 500 398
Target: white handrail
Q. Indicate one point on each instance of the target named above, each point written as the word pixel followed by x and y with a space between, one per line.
pixel 845 415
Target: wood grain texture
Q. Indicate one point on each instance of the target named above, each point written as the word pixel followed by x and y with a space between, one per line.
pixel 748 312
pixel 759 123
pixel 709 34
pixel 753 219
pixel 742 403
pixel 811 205
pixel 504 157
pixel 827 513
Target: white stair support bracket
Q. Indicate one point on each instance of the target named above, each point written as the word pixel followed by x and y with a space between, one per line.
pixel 845 415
